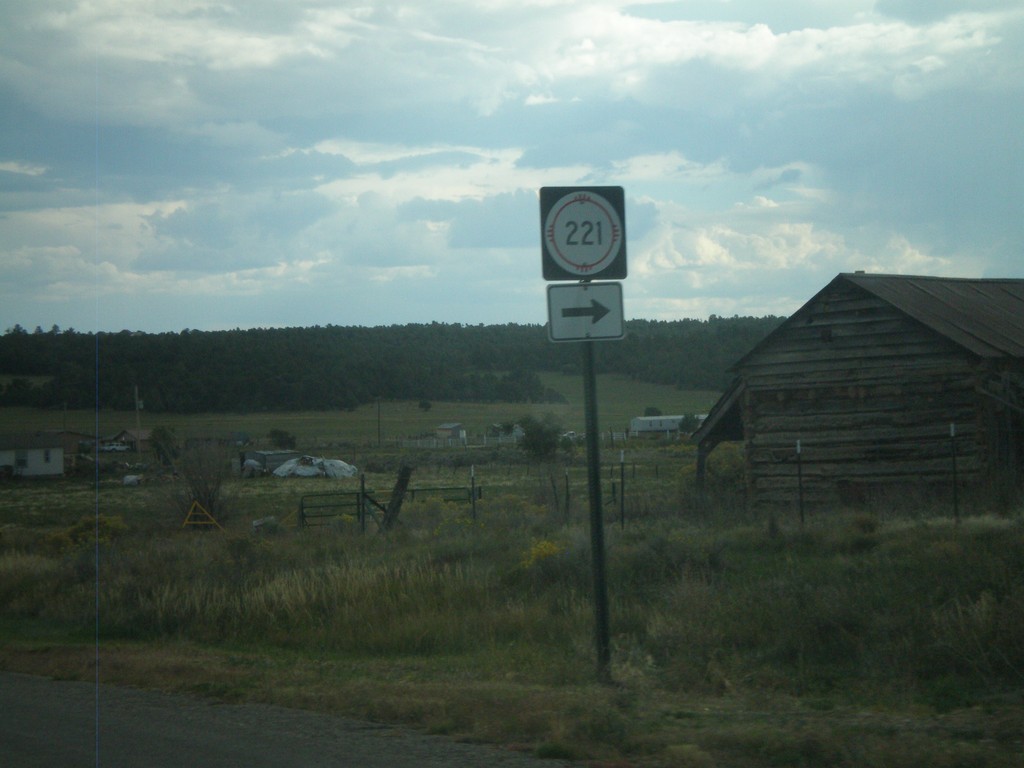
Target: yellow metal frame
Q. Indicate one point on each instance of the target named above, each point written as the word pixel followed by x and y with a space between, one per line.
pixel 205 518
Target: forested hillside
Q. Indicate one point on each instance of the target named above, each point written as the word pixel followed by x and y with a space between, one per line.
pixel 342 367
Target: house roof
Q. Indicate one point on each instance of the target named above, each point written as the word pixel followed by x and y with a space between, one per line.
pixel 134 434
pixel 24 441
pixel 67 433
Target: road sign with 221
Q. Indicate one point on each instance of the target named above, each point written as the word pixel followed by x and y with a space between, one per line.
pixel 583 233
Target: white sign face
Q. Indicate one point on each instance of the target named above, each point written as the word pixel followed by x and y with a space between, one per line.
pixel 583 236
pixel 585 312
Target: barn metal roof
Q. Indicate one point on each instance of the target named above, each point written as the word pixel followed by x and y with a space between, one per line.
pixel 985 316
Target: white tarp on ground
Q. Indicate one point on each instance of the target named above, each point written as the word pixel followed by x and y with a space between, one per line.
pixel 311 466
pixel 252 468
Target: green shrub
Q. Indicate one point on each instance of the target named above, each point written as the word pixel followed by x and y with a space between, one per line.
pixel 88 531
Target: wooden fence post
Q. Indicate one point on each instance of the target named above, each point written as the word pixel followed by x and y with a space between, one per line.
pixel 397 497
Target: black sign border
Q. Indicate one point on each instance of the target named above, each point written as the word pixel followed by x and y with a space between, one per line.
pixel 551 269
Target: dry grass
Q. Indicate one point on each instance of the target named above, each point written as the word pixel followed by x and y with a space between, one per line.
pixel 620 398
pixel 855 641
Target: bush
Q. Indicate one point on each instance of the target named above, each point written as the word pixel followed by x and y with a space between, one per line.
pixel 205 470
pixel 88 531
pixel 724 493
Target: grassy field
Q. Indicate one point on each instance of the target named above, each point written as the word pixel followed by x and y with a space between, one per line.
pixel 862 639
pixel 619 399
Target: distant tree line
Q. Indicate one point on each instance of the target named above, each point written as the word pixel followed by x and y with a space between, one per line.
pixel 342 367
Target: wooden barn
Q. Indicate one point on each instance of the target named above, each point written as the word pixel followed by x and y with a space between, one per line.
pixel 880 381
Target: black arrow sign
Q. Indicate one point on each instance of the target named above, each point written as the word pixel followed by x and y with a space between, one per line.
pixel 595 311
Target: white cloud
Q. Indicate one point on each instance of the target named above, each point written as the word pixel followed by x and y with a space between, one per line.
pixel 191 33
pixel 435 172
pixel 666 166
pixel 295 153
pixel 117 232
pixel 901 256
pixel 604 46
pixel 390 274
pixel 24 169
pixel 538 99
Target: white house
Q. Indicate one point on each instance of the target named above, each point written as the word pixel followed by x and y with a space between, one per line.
pixel 27 455
pixel 648 425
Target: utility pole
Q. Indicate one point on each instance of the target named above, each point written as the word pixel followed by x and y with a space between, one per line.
pixel 138 427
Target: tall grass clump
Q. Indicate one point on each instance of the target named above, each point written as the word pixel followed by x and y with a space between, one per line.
pixel 25 579
pixel 722 498
pixel 482 624
pixel 819 611
pixel 925 611
pixel 412 594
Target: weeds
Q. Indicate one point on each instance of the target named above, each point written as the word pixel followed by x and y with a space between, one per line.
pixel 481 627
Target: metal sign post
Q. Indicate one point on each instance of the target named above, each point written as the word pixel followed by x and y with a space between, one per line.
pixel 583 237
pixel 601 633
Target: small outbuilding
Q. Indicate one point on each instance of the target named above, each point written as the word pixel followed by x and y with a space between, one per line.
pixel 137 440
pixel 268 461
pixel 880 381
pixel 450 431
pixel 31 455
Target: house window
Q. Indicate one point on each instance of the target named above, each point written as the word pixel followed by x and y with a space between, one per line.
pixel 46 455
pixel 21 458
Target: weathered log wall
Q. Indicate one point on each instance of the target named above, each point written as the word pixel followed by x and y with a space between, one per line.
pixel 869 393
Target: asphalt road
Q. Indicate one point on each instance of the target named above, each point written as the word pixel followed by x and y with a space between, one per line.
pixel 65 724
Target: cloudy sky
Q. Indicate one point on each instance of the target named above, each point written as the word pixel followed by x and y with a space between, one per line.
pixel 208 164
